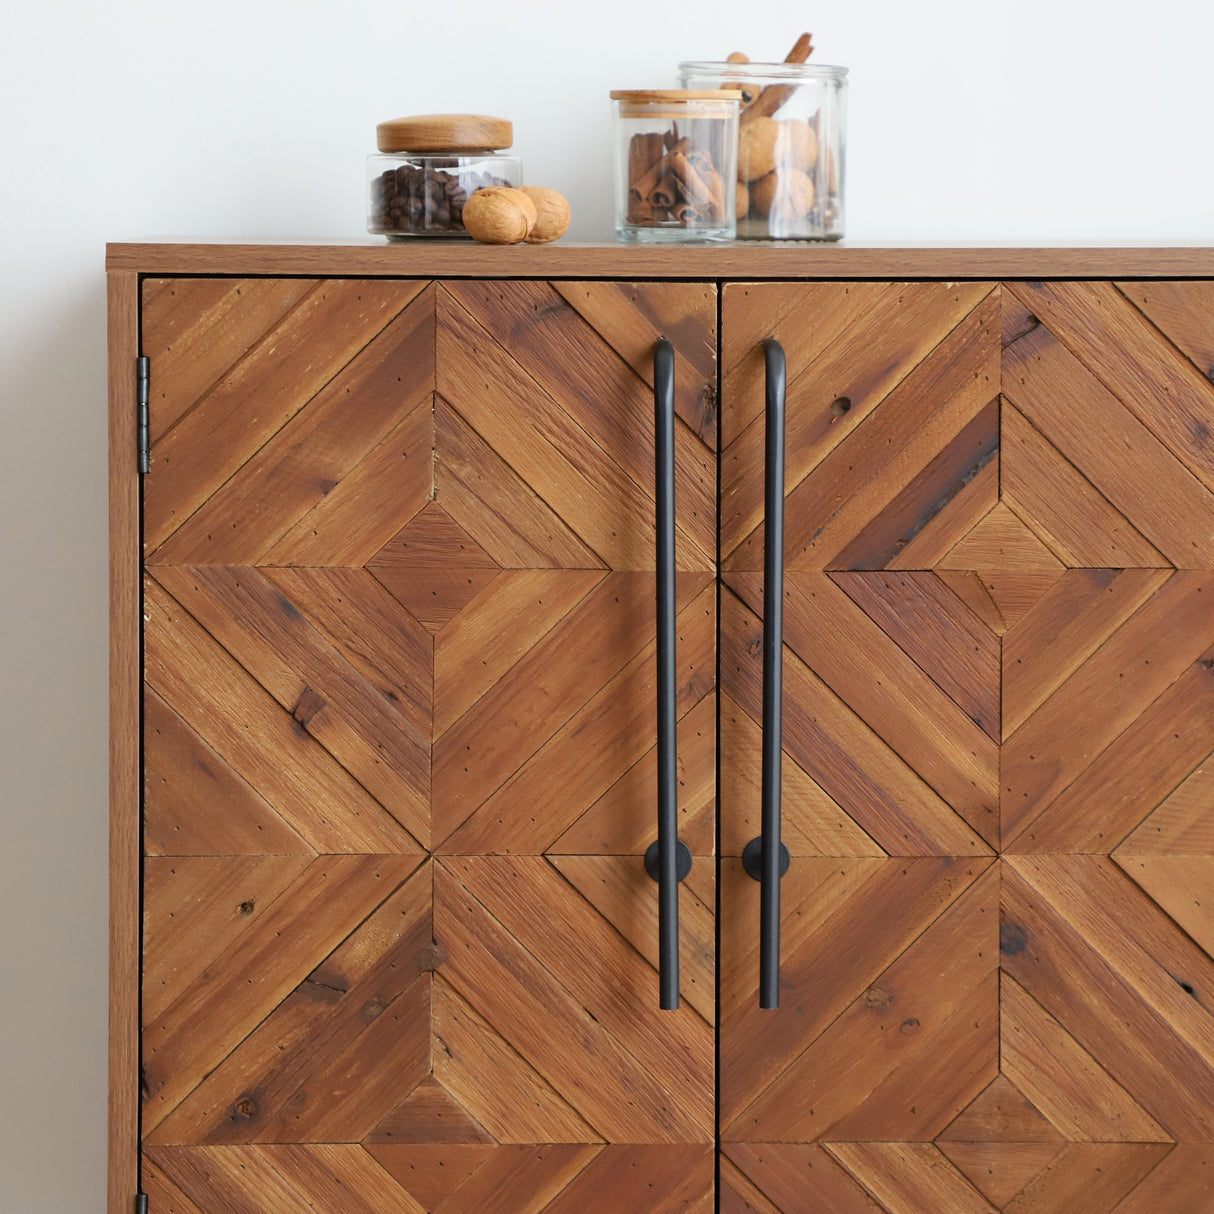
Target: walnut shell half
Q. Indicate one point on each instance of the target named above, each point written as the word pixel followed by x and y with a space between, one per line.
pixel 499 215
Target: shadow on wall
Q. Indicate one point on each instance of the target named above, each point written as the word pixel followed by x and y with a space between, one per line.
pixel 53 711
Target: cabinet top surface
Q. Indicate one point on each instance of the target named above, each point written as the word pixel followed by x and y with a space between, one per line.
pixel 580 259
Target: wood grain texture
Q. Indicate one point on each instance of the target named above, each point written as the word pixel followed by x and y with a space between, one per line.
pixel 907 1177
pixel 125 774
pixel 800 1178
pixel 916 369
pixel 826 738
pixel 572 259
pixel 1015 512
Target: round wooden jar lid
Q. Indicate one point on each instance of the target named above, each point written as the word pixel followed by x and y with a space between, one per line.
pixel 444 133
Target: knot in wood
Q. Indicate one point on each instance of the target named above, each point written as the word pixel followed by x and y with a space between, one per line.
pixel 245 1109
pixel 1013 939
pixel 430 957
pixel 877 1000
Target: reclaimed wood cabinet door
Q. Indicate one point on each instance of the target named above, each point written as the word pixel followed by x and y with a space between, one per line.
pixel 399 948
pixel 999 713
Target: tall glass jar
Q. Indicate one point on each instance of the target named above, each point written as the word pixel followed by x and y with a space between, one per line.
pixel 676 164
pixel 427 167
pixel 791 143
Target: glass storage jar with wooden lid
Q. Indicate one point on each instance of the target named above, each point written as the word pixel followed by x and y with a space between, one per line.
pixel 791 144
pixel 427 167
pixel 676 158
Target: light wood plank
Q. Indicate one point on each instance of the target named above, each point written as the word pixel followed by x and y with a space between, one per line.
pixel 796 1174
pixel 1063 629
pixel 1062 1079
pixel 1088 1178
pixel 494 1082
pixel 909 1177
pixel 1078 522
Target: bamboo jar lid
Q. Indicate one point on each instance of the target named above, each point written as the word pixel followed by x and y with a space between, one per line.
pixel 646 96
pixel 640 103
pixel 444 133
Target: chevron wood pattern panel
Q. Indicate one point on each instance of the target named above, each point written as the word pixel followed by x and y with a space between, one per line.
pixel 997 980
pixel 400 950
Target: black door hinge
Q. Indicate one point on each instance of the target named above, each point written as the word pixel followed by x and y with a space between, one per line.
pixel 142 374
pixel 141 1204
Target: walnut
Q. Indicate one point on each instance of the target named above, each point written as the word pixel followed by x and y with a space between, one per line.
pixel 786 194
pixel 801 144
pixel 743 204
pixel 552 214
pixel 499 215
pixel 759 149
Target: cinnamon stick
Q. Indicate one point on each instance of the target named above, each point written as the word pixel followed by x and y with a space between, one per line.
pixel 775 95
pixel 645 185
pixel 666 192
pixel 685 213
pixel 699 191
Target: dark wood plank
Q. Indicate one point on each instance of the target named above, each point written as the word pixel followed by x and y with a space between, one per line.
pixel 333 1057
pixel 329 899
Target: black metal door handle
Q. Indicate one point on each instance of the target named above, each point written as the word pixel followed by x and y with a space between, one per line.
pixel 766 859
pixel 668 860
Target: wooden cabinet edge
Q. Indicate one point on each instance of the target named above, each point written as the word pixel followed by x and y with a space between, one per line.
pixel 123 300
pixel 794 260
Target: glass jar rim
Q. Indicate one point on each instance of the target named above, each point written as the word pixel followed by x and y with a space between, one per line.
pixel 762 71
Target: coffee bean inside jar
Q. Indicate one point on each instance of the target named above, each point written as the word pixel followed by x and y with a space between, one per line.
pixel 428 167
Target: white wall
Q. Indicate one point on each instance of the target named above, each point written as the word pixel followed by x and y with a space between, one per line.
pixel 970 121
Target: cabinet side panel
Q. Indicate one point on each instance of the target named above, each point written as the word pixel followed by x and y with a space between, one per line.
pixel 124 743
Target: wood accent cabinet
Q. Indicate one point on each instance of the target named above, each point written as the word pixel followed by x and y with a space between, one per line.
pixel 384 732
